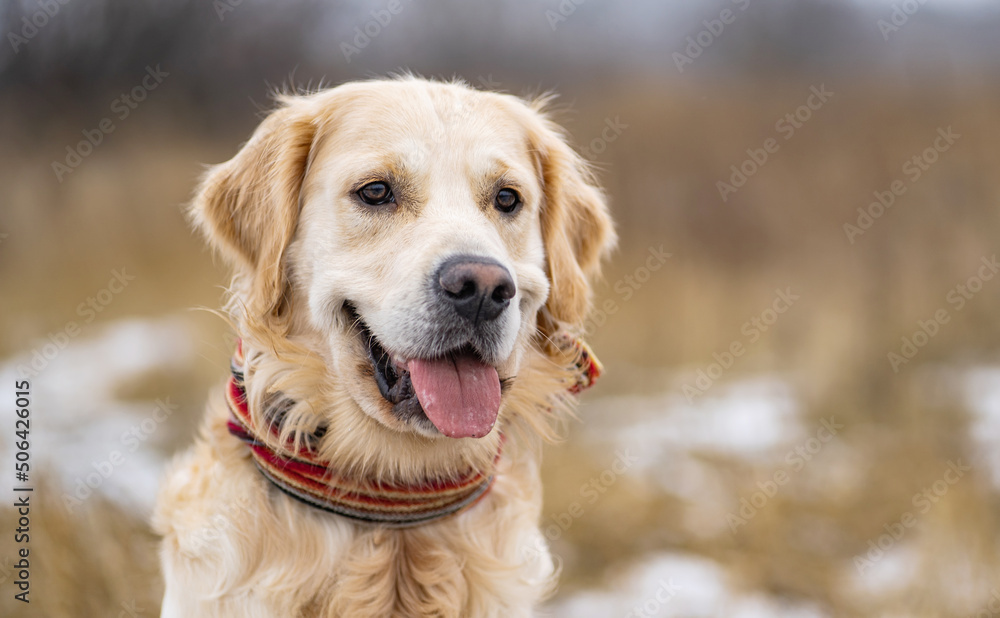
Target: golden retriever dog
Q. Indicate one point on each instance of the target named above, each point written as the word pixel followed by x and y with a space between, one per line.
pixel 412 268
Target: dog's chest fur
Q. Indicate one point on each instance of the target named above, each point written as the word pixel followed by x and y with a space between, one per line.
pixel 246 549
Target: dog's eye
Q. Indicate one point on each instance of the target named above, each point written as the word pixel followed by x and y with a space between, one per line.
pixel 376 194
pixel 507 200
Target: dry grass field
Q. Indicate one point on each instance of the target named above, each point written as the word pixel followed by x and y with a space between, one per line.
pixel 762 480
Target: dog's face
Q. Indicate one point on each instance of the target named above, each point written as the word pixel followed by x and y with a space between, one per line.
pixel 418 229
pixel 419 253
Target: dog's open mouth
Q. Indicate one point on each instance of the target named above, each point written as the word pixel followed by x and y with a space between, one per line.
pixel 458 392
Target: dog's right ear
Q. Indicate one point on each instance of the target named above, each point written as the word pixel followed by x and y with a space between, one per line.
pixel 248 207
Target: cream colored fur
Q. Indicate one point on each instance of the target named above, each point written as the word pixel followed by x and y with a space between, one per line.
pixel 281 213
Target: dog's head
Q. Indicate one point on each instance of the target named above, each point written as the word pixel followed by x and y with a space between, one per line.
pixel 422 236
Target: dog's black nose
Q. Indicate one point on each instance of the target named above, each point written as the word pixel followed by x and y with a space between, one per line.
pixel 479 288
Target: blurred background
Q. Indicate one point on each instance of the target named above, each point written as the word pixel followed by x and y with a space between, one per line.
pixel 801 414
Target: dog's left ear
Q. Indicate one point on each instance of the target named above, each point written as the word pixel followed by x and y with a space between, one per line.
pixel 576 227
pixel 248 207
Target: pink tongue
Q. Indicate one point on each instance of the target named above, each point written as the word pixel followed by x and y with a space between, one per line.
pixel 460 395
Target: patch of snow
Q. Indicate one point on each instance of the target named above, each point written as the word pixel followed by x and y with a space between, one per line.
pixel 79 430
pixel 744 418
pixel 874 575
pixel 676 585
pixel 980 391
pixel 755 420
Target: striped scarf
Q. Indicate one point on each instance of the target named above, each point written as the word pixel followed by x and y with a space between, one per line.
pixel 313 481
